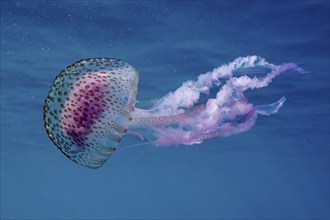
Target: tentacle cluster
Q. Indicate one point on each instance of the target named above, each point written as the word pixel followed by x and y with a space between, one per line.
pixel 179 118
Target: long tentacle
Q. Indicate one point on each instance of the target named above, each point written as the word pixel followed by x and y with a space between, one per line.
pixel 245 124
pixel 144 104
pixel 145 119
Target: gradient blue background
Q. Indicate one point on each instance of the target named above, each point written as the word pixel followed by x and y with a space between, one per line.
pixel 278 170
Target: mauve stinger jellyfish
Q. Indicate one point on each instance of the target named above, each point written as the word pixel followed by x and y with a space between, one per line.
pixel 92 104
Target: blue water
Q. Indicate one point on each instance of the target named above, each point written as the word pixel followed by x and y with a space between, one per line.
pixel 279 169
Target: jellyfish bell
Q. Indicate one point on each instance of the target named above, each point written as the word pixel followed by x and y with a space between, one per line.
pixel 91 106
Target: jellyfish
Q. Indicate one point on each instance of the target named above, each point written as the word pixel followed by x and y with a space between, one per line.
pixel 92 104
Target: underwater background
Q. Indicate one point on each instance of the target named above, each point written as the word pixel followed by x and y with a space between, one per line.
pixel 277 170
